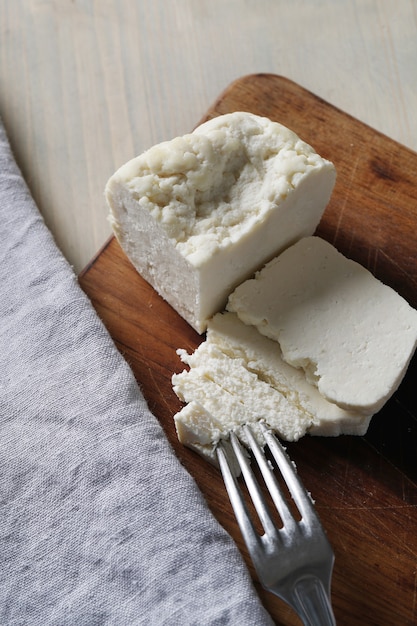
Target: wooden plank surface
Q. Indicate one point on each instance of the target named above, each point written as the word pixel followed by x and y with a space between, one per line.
pixel 364 488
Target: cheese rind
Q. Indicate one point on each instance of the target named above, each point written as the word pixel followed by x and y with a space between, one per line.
pixel 352 335
pixel 199 214
pixel 237 376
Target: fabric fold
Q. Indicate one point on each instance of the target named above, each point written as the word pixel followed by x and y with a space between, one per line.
pixel 99 522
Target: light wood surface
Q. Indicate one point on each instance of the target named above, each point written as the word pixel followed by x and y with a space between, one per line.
pixel 87 84
pixel 364 487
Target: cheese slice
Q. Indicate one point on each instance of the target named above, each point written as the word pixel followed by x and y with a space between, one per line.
pixel 237 376
pixel 201 213
pixel 352 335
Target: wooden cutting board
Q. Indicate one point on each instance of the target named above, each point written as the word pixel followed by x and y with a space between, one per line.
pixel 364 488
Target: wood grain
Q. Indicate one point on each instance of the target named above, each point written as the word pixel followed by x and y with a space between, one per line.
pixel 364 487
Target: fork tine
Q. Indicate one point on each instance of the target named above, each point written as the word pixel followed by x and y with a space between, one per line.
pixel 253 487
pixel 270 479
pixel 298 492
pixel 238 503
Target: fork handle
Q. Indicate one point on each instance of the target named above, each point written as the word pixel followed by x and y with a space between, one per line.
pixel 312 602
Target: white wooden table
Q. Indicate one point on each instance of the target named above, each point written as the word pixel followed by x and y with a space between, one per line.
pixel 85 85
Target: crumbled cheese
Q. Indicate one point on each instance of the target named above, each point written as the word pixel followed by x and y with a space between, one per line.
pixel 352 335
pixel 237 376
pixel 201 213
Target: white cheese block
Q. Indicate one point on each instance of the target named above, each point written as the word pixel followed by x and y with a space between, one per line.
pixel 201 213
pixel 352 335
pixel 237 376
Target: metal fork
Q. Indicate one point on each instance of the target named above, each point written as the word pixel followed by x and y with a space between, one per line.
pixel 295 561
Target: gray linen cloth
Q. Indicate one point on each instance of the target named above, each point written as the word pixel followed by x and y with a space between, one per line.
pixel 99 523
